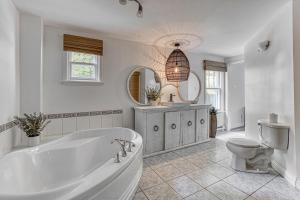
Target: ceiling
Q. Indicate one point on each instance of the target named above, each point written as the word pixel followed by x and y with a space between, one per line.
pixel 220 27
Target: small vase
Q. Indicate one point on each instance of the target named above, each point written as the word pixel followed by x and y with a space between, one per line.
pixel 153 103
pixel 34 141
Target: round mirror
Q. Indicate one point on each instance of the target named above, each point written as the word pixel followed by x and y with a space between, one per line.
pixel 140 80
pixel 190 90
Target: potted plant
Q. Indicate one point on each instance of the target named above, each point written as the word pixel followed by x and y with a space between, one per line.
pixel 153 94
pixel 32 125
pixel 213 122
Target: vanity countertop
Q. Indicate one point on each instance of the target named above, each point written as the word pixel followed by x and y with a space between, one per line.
pixel 170 108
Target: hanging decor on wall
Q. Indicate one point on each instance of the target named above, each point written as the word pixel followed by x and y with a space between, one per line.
pixel 177 66
pixel 140 7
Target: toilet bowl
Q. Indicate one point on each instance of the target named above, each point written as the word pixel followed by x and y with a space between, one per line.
pixel 252 156
pixel 249 155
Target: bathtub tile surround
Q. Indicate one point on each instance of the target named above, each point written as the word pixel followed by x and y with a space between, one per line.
pixel 65 123
pixel 8 125
pixel 164 177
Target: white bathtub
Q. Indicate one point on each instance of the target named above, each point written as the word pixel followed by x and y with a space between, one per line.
pixel 79 166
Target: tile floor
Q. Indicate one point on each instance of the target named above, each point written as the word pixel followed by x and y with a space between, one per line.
pixel 203 172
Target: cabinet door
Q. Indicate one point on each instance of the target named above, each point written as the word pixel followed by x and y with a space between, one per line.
pixel 202 125
pixel 155 132
pixel 172 130
pixel 188 127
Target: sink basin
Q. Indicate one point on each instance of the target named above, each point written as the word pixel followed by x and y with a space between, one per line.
pixel 176 104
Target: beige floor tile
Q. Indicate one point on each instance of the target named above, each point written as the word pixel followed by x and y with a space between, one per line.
pixel 155 162
pixel 249 182
pixel 281 185
pixel 203 177
pixel 219 171
pixel 266 193
pixel 162 192
pixel 169 157
pixel 225 191
pixel 202 195
pixel 200 161
pixel 140 196
pixel 168 172
pixel 184 186
pixel 184 165
pixel 149 179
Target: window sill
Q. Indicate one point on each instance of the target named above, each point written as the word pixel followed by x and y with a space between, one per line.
pixel 81 82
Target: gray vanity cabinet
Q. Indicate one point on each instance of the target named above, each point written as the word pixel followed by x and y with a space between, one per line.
pixel 188 127
pixel 172 130
pixel 202 124
pixel 166 128
pixel 155 132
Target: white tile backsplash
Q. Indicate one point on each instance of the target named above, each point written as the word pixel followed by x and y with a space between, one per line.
pixel 69 125
pixel 107 121
pixel 55 127
pixel 117 120
pixel 83 123
pixel 95 122
pixel 62 126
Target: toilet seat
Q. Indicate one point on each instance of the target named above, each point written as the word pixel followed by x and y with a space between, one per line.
pixel 245 143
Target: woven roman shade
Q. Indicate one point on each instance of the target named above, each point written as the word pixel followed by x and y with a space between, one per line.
pixel 83 44
pixel 214 66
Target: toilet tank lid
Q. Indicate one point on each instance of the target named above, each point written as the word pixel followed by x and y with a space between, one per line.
pixel 266 122
pixel 243 142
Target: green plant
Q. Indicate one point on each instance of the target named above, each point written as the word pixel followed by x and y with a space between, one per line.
pixel 32 124
pixel 213 111
pixel 153 93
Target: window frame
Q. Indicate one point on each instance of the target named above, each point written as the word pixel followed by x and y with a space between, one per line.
pixel 67 74
pixel 221 89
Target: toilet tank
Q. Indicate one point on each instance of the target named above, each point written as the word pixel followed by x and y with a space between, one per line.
pixel 274 135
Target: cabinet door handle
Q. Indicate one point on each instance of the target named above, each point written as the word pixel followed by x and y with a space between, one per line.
pixel 202 121
pixel 190 123
pixel 155 128
pixel 173 126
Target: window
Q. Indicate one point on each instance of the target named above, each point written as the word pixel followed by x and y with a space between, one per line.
pixel 214 88
pixel 83 67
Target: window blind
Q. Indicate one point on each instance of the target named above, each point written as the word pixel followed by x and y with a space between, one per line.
pixel 83 45
pixel 214 66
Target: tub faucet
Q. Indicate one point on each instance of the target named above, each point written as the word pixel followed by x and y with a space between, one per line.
pixel 122 144
pixel 117 158
pixel 130 145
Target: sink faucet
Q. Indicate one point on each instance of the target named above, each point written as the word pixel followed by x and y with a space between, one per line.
pixel 122 144
pixel 171 97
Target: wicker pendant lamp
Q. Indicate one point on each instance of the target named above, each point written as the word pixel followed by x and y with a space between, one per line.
pixel 177 66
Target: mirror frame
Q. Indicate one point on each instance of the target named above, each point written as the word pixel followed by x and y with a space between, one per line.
pixel 128 79
pixel 199 91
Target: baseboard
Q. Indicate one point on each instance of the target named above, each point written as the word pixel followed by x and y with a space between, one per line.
pixel 237 128
pixel 298 183
pixel 283 172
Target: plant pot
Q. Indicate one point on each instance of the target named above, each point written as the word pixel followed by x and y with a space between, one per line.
pixel 213 126
pixel 34 141
pixel 153 103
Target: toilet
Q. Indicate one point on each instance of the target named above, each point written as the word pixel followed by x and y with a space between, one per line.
pixel 252 156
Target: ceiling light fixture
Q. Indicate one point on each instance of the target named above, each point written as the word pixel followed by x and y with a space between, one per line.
pixel 177 66
pixel 140 8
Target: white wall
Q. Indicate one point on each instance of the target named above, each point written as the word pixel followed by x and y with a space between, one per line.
pixel 296 26
pixel 269 84
pixel 119 59
pixel 9 67
pixel 235 95
pixel 31 40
